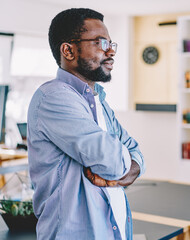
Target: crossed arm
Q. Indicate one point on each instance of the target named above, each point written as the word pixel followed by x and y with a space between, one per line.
pixel 126 180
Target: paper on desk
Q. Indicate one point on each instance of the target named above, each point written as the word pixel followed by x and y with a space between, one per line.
pixel 139 237
pixel 11 154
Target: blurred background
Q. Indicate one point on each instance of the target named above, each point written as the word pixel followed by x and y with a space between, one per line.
pixel 147 91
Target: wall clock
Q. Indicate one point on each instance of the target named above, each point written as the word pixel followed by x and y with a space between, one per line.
pixel 150 55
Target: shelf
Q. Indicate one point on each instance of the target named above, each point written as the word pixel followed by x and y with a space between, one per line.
pixel 184 93
pixel 156 107
pixel 185 90
pixel 186 125
pixel 186 159
pixel 185 54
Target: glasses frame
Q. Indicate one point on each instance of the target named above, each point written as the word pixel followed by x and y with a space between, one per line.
pixel 111 44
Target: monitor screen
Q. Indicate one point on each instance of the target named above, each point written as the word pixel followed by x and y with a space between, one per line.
pixel 22 127
pixel 3 98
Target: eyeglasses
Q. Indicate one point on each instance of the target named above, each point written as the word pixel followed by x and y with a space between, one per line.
pixel 104 44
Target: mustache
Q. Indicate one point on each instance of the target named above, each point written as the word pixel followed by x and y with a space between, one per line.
pixel 107 60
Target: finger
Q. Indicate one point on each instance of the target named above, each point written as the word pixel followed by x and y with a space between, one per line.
pixel 88 174
pixel 94 178
pixel 98 181
pixel 85 170
pixel 111 183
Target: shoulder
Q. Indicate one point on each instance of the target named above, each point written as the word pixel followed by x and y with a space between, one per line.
pixel 57 96
pixel 57 87
pixel 56 90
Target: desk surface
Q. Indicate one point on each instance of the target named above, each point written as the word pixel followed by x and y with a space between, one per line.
pixel 156 200
pixel 13 169
pixel 155 231
pixel 160 198
pixel 11 154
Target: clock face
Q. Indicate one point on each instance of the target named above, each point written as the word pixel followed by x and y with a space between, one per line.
pixel 150 55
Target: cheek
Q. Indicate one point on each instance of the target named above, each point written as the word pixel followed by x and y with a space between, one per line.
pixel 95 61
pixel 92 56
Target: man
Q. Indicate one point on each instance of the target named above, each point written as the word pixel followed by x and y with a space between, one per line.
pixel 79 155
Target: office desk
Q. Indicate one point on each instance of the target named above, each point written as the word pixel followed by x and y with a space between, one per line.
pixel 160 210
pixel 9 155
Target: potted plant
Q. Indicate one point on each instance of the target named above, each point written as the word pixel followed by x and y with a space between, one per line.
pixel 18 215
pixel 16 204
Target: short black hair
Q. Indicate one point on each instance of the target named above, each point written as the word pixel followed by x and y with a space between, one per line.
pixel 68 25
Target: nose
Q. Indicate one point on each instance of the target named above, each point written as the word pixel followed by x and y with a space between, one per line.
pixel 110 53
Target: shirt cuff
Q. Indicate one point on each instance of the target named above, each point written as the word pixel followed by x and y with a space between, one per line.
pixel 126 160
pixel 139 160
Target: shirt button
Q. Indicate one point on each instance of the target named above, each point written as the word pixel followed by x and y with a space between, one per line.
pixel 91 105
pixel 114 228
pixel 87 90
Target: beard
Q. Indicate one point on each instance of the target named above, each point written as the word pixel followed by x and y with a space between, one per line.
pixel 95 75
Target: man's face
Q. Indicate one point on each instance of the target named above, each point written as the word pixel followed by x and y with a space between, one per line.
pixel 93 63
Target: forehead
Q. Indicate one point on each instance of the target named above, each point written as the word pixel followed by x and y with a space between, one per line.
pixel 95 28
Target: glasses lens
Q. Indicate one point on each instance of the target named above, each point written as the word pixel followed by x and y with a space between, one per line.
pixel 105 45
pixel 114 47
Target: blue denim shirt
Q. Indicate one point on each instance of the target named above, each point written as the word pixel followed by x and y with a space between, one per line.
pixel 63 136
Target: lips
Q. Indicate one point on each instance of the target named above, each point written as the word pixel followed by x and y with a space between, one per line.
pixel 108 64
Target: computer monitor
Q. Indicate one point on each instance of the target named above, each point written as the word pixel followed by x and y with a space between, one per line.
pixel 22 127
pixel 3 98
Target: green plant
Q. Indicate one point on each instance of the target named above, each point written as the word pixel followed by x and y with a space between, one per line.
pixel 16 208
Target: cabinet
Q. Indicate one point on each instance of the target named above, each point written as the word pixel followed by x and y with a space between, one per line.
pixel 155 85
pixel 184 88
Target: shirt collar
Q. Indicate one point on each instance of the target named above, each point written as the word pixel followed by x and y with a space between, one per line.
pixel 100 90
pixel 79 85
pixel 72 80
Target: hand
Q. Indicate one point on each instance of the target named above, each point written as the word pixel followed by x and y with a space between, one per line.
pixel 97 180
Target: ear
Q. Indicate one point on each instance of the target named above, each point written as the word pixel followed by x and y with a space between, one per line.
pixel 67 51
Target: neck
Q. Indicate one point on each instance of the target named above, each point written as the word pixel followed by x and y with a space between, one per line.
pixel 82 78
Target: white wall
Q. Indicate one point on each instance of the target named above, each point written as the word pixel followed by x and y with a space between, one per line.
pixel 156 132
pixel 20 16
pixel 117 89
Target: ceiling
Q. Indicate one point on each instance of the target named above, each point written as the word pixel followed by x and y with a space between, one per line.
pixel 132 7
